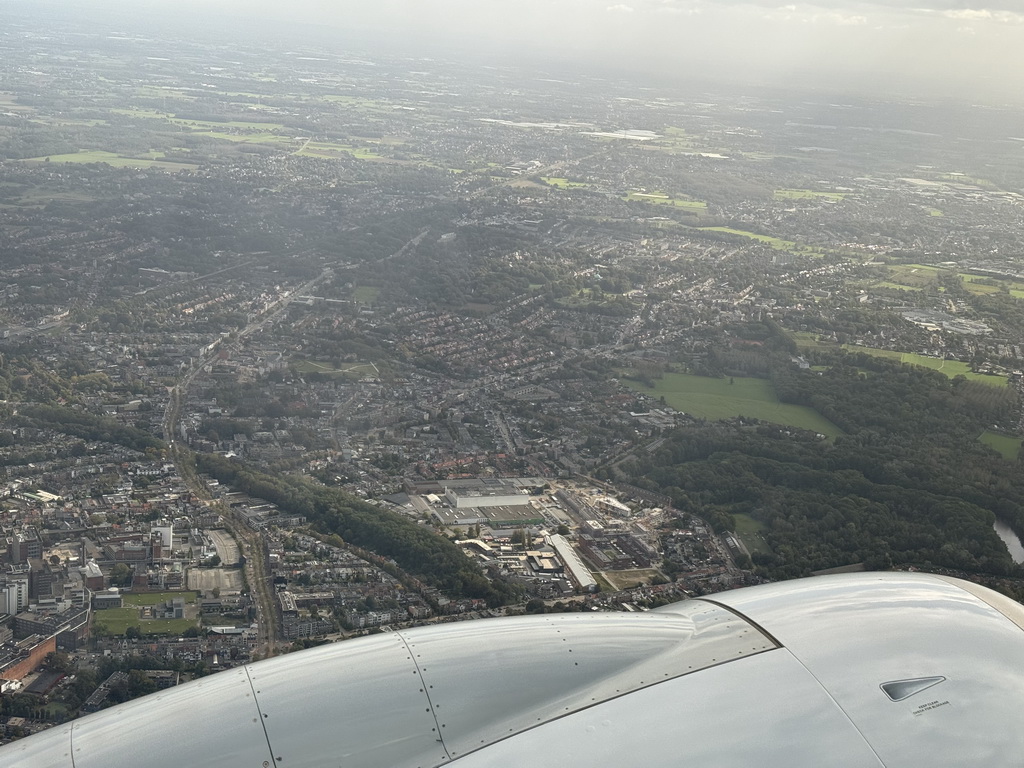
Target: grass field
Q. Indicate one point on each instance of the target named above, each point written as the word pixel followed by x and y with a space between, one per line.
pixel 752 533
pixel 246 138
pixel 351 370
pixel 1008 447
pixel 951 368
pixel 913 276
pixel 709 398
pixel 113 159
pixel 809 340
pixel 775 242
pixel 365 294
pixel 626 579
pixel 239 124
pixel 37 197
pixel 142 113
pixel 329 151
pixel 555 181
pixel 896 286
pixel 152 114
pixel 677 141
pixel 916 277
pixel 359 104
pixel 977 284
pixel 116 621
pixel 657 198
pixel 980 288
pixel 806 194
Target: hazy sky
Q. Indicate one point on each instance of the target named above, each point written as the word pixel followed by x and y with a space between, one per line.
pixel 960 47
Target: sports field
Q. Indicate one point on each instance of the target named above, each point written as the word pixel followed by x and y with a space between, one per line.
pixel 350 370
pixel 709 398
pixel 1008 446
pixel 752 533
pixel 365 294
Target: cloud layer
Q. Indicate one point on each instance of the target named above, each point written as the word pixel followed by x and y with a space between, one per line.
pixel 972 48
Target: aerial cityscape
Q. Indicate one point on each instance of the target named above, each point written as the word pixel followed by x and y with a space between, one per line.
pixel 302 343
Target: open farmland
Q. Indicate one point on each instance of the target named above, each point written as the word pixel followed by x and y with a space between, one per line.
pixel 114 160
pixel 806 194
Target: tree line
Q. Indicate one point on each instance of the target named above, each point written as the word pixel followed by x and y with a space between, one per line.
pixel 414 547
pixel 908 482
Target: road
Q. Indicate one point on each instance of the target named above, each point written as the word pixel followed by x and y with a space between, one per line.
pixel 250 543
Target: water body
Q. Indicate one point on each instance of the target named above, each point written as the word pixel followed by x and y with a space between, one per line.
pixel 1010 539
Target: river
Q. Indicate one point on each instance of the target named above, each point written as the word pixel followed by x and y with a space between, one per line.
pixel 1010 539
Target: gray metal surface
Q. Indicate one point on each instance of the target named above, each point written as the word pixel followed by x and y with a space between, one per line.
pixel 862 670
pixel 765 712
pixel 856 633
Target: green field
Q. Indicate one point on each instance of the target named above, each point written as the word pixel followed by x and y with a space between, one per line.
pixel 896 286
pixel 677 141
pixel 330 151
pixel 555 181
pixel 809 340
pixel 977 284
pixel 152 114
pixel 951 368
pixel 709 398
pixel 113 159
pixel 351 370
pixel 358 103
pixel 365 294
pixel 238 124
pixel 115 621
pixel 658 198
pixel 752 533
pixel 1008 446
pixel 775 242
pixel 246 138
pixel 807 194
pixel 913 276
pixel 981 288
pixel 142 113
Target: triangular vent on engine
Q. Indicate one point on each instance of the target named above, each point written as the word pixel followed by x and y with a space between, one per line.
pixel 898 690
